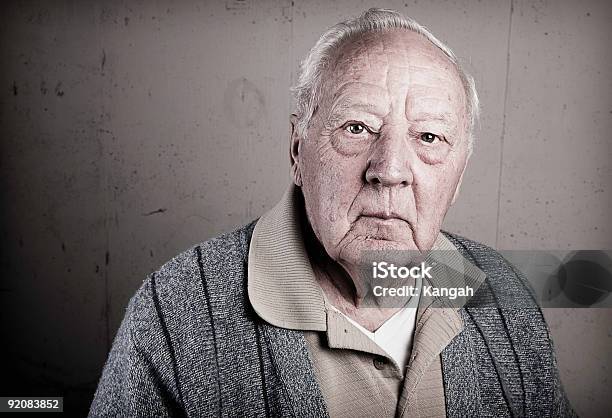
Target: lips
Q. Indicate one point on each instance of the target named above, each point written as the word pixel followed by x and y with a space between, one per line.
pixel 381 226
pixel 383 215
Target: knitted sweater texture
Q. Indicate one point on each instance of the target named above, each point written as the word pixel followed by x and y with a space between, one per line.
pixel 191 345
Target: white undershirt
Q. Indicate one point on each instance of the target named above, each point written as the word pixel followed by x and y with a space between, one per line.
pixel 394 336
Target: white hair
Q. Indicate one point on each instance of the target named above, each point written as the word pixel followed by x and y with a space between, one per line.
pixel 308 88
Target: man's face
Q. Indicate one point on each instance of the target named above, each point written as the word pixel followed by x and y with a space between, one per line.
pixel 385 150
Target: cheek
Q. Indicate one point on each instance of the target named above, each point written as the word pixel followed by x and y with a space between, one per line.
pixel 432 194
pixel 330 184
pixel 333 179
pixel 434 190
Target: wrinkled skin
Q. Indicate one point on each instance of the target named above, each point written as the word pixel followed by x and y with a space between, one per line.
pixel 385 152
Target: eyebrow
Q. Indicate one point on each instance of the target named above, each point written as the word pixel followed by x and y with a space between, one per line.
pixel 349 104
pixel 348 97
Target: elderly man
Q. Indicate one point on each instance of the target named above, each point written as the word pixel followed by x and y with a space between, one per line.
pixel 272 319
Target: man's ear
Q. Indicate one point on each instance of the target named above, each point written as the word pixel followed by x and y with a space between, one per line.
pixel 294 151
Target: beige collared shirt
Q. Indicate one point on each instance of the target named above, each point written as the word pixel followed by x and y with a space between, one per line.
pixel 356 376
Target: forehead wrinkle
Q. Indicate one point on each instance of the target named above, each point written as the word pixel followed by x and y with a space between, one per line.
pixel 427 116
pixel 371 59
pixel 390 45
pixel 425 61
pixel 428 71
pixel 419 65
pixel 345 87
pixel 423 91
pixel 431 110
pixel 350 95
pixel 347 104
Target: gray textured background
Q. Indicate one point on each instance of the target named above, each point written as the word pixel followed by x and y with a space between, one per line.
pixel 132 130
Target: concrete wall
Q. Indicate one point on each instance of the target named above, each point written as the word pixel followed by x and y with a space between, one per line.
pixel 132 130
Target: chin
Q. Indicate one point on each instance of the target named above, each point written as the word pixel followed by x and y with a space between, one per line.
pixel 367 248
pixel 379 244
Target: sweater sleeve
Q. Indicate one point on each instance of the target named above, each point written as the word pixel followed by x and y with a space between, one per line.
pixel 137 377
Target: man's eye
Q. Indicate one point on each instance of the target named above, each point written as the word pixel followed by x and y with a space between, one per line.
pixel 429 137
pixel 356 128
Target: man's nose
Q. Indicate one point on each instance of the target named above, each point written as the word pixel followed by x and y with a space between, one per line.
pixel 389 164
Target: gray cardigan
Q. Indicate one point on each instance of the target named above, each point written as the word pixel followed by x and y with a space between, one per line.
pixel 191 345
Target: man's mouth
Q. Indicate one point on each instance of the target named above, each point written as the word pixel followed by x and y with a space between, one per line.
pixel 383 216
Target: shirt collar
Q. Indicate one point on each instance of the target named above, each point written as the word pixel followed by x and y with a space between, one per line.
pixel 281 283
